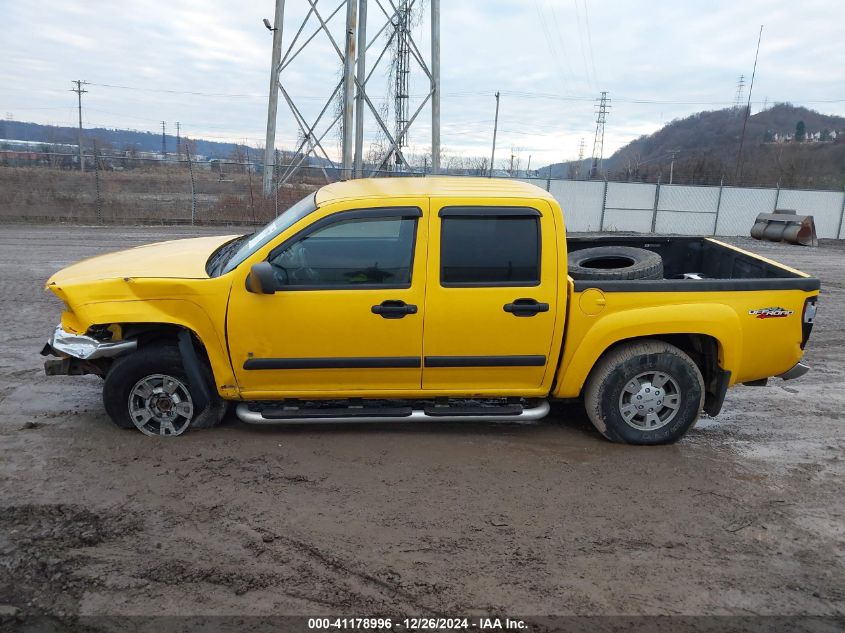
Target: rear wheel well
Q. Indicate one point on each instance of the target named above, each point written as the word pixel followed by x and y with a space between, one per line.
pixel 701 348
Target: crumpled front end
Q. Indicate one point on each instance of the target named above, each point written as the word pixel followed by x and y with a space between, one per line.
pixel 80 354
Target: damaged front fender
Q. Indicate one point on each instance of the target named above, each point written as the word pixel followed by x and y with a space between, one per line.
pixel 85 347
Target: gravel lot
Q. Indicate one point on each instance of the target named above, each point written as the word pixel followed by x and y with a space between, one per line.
pixel 743 517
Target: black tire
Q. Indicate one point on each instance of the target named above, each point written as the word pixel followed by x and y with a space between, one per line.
pixel 612 384
pixel 164 359
pixel 608 263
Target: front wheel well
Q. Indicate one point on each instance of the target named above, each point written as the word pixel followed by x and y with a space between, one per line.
pixel 149 334
pixel 160 333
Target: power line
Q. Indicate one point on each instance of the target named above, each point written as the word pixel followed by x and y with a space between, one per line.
pixel 463 94
pixel 563 52
pixel 748 107
pixel 581 42
pixel 590 40
pixel 179 92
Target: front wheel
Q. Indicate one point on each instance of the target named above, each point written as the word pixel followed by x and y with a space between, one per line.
pixel 149 390
pixel 645 392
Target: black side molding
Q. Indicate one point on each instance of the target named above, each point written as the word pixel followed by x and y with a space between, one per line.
pixel 369 362
pixel 485 361
pixel 280 413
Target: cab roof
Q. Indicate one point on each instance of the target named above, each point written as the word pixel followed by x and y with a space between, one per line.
pixel 432 187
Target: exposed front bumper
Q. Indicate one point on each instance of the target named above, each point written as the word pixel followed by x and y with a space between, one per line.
pixel 798 370
pixel 63 343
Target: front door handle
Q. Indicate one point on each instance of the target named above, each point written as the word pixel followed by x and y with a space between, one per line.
pixel 393 309
pixel 526 307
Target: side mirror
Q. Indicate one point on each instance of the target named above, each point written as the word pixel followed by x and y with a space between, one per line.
pixel 261 279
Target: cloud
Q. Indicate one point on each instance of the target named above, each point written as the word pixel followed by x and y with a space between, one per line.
pixel 549 59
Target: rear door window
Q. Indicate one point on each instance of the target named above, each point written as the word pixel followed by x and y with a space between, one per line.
pixel 495 247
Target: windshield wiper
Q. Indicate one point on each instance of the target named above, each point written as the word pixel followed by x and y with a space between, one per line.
pixel 219 259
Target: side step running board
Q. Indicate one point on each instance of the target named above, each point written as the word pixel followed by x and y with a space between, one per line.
pixel 278 415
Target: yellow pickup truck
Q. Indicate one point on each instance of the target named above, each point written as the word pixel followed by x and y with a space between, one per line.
pixel 407 299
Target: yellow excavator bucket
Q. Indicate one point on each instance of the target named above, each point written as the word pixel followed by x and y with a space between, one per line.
pixel 785 226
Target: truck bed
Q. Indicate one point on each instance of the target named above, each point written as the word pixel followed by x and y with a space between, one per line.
pixel 721 266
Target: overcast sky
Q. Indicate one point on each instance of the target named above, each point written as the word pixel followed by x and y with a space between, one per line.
pixel 658 60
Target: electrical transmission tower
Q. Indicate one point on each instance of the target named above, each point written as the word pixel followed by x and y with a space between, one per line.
pixel 352 46
pixel 401 72
pixel 740 89
pixel 598 141
pixel 580 158
pixel 163 139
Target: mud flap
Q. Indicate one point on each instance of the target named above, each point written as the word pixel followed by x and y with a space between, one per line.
pixel 714 399
pixel 191 363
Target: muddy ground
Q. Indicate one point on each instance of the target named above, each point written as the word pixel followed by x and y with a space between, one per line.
pixel 742 517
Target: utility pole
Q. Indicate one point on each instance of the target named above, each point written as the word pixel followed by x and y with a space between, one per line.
pixel 435 86
pixel 79 91
pixel 163 139
pixel 672 164
pixel 348 87
pixel 511 168
pixel 273 99
pixel 747 109
pixel 178 140
pixel 598 139
pixel 528 169
pixel 495 129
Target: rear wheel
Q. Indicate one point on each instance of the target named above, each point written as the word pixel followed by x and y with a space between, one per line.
pixel 645 392
pixel 149 390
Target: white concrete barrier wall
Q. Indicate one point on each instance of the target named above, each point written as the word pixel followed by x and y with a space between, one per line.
pixel 739 208
pixel 581 202
pixel 630 207
pixel 824 206
pixel 687 209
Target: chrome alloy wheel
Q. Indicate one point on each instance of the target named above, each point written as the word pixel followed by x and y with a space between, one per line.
pixel 650 401
pixel 161 405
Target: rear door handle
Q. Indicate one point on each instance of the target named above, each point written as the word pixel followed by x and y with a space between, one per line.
pixel 526 307
pixel 394 309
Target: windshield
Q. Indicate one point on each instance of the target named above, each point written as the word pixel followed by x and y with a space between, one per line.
pixel 251 243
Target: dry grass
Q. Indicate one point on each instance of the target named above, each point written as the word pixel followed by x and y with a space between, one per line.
pixel 145 195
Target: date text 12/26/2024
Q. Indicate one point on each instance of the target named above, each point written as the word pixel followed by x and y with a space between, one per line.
pixel 416 624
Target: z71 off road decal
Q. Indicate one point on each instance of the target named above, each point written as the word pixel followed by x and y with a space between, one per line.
pixel 770 313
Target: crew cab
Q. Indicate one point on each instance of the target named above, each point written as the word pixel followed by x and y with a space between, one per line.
pixel 405 299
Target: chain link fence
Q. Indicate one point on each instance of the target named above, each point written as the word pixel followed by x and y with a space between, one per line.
pixel 184 191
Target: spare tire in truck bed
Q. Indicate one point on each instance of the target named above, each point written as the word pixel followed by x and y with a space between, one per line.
pixel 606 263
